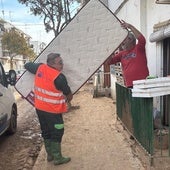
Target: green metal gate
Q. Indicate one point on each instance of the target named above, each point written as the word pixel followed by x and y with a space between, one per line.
pixel 137 115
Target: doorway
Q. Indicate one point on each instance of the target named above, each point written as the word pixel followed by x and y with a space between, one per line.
pixel 166 72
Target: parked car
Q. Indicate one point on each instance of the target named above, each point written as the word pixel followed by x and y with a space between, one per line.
pixel 8 106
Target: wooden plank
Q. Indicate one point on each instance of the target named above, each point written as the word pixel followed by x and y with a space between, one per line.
pixel 148 95
pixel 152 81
pixel 156 89
pixel 145 86
pixel 152 92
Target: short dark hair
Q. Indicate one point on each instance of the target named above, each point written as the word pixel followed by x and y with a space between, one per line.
pixel 51 58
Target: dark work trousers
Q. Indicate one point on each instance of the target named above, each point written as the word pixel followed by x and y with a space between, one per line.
pixel 48 122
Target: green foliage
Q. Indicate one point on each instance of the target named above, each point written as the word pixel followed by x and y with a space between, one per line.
pixel 15 44
pixel 55 13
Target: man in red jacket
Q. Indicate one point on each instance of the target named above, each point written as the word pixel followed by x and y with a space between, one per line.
pixel 132 57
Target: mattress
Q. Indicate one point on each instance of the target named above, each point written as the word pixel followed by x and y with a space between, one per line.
pixel 84 44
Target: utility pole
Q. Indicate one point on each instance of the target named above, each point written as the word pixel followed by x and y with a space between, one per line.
pixel 2 7
pixel 10 16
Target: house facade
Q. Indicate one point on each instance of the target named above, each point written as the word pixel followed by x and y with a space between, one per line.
pixel 152 18
pixel 18 60
pixel 38 46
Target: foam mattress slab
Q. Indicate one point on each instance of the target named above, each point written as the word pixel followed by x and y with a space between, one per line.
pixel 84 44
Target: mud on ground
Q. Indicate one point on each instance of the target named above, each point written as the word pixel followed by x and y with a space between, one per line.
pixel 19 151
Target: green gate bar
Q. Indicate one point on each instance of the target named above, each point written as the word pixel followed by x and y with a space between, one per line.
pixel 137 115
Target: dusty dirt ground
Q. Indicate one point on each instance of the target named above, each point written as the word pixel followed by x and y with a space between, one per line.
pixel 19 151
pixel 94 138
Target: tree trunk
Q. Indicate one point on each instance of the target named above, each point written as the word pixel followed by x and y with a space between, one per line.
pixel 11 63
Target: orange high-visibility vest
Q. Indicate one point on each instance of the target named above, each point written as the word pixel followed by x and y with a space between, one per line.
pixel 47 97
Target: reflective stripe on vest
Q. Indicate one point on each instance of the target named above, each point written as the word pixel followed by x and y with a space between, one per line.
pixel 50 100
pixel 50 93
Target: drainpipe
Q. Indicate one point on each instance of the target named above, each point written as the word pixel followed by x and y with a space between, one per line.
pixel 162 2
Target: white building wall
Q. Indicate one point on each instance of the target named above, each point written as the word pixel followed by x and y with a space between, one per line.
pixel 38 47
pixel 144 14
pixel 113 5
pixel 156 13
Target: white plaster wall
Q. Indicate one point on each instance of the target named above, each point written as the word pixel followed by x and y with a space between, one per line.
pixel 156 13
pixel 113 5
pixel 144 14
pixel 112 87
